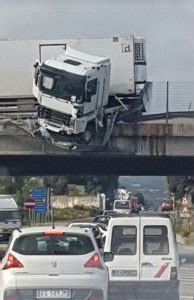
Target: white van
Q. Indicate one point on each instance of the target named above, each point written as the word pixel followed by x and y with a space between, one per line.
pixel 142 259
pixel 9 217
pixel 122 206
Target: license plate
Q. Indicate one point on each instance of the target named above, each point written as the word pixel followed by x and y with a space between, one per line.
pixel 63 294
pixel 124 273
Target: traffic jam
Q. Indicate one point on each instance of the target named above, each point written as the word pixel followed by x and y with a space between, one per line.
pixel 118 254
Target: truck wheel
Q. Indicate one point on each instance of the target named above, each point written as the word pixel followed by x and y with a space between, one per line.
pixel 87 135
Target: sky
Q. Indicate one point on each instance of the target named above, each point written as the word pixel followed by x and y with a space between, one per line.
pixel 167 26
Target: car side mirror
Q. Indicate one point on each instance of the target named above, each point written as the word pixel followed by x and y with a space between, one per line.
pixel 108 256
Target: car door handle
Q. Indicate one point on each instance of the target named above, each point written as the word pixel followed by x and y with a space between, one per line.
pixel 166 258
pixel 146 264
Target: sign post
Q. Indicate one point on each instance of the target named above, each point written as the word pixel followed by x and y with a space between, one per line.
pixel 29 204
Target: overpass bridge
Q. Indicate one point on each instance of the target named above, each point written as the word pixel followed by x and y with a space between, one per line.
pixel 154 147
pixel 161 144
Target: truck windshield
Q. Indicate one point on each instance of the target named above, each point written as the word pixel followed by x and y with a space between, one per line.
pixel 122 205
pixel 61 84
pixel 9 215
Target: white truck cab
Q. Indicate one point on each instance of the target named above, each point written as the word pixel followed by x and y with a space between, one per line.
pixel 76 91
pixel 141 256
pixel 70 90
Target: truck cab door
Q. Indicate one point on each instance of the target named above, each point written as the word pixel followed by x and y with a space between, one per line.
pixel 156 255
pixel 91 96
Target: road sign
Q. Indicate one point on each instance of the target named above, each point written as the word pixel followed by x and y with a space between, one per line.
pixel 40 197
pixel 29 203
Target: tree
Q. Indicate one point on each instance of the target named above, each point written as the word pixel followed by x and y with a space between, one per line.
pixel 139 196
pixel 178 184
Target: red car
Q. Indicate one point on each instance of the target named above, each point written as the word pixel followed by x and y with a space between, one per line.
pixel 167 205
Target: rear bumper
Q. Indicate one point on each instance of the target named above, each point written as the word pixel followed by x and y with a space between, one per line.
pixel 76 294
pixel 87 284
pixel 163 290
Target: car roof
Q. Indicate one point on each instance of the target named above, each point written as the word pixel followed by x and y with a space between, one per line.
pixel 42 229
pixel 145 214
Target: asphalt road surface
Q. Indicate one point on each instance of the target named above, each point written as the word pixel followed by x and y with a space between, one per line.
pixel 186 272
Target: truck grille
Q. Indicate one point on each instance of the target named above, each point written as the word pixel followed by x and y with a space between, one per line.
pixel 59 118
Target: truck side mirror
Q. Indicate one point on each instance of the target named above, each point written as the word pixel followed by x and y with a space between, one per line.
pixel 108 256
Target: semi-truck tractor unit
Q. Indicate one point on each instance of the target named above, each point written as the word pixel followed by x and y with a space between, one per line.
pixel 93 81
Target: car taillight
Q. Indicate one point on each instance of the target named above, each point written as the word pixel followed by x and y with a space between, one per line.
pixel 173 273
pixel 12 262
pixel 96 295
pixel 10 295
pixel 94 262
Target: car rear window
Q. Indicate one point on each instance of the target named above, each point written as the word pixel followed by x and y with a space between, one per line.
pixel 66 244
pixel 124 240
pixel 155 241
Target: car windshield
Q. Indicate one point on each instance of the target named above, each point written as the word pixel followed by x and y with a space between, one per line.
pixel 63 244
pixel 9 215
pixel 61 84
pixel 122 205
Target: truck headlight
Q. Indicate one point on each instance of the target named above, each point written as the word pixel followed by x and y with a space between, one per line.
pixel 71 122
pixel 139 88
pixel 73 99
pixel 80 111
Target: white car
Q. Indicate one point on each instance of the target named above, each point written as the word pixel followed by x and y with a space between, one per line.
pixel 45 263
pixel 142 258
pixel 122 206
pixel 94 228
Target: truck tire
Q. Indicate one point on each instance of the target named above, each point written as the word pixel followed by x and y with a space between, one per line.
pixel 87 135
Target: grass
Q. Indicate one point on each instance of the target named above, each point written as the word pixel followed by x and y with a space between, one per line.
pixel 67 214
pixel 74 213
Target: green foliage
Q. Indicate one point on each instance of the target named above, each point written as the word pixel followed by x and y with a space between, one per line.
pixel 74 213
pixel 139 196
pixel 28 185
pixel 2 190
pixel 177 185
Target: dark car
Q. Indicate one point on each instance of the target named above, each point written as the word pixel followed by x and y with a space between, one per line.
pixel 111 213
pixel 102 219
pixel 135 205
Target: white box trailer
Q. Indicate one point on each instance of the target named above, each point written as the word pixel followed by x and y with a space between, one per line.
pixel 126 54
